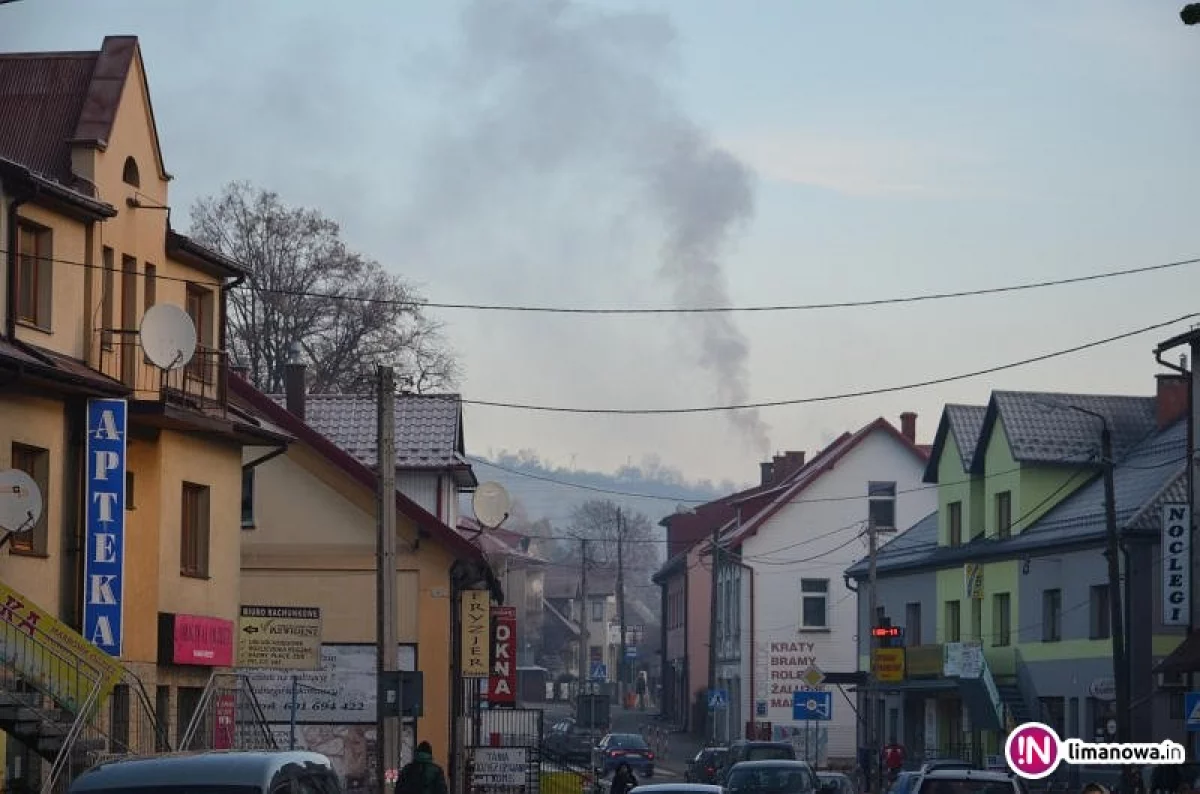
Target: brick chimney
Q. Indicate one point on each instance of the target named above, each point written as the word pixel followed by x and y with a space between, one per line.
pixel 767 468
pixel 787 464
pixel 1172 398
pixel 293 381
pixel 908 426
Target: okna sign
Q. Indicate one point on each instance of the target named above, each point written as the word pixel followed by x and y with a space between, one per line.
pixel 104 558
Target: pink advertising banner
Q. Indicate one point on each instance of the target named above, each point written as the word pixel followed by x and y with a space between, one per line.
pixel 203 641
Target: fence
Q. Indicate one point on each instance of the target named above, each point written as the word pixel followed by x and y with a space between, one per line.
pixel 502 751
pixel 228 717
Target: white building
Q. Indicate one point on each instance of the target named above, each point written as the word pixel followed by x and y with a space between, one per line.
pixel 783 604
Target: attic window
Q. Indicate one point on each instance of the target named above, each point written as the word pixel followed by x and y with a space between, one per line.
pixel 129 174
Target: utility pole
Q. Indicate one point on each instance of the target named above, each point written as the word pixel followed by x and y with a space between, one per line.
pixel 1116 619
pixel 584 639
pixel 623 664
pixel 712 633
pixel 873 743
pixel 388 651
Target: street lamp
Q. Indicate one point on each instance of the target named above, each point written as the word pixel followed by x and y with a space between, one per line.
pixel 1190 14
pixel 1112 552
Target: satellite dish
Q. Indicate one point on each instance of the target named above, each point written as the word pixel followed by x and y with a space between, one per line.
pixel 168 336
pixel 20 501
pixel 491 504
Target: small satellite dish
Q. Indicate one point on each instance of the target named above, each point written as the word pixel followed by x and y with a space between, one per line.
pixel 168 336
pixel 20 501
pixel 491 504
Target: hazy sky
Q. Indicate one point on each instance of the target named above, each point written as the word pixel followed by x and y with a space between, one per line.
pixel 540 152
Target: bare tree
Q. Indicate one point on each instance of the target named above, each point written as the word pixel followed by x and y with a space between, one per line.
pixel 596 520
pixel 345 310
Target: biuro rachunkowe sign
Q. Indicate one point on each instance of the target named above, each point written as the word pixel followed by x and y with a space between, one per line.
pixel 104 494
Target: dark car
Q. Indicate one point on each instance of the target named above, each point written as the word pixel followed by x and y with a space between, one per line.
pixel 746 750
pixel 216 772
pixel 568 741
pixel 624 748
pixel 836 783
pixel 774 777
pixel 970 781
pixel 705 767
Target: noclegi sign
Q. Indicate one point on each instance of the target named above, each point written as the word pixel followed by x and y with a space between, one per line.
pixel 1176 564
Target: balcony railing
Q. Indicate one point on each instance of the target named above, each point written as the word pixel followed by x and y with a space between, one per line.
pixel 200 384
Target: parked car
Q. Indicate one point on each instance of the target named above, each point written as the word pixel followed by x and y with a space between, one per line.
pixel 624 748
pixel 945 763
pixel 677 788
pixel 746 750
pixel 568 741
pixel 836 783
pixel 774 777
pixel 213 772
pixel 905 783
pixel 970 781
pixel 707 764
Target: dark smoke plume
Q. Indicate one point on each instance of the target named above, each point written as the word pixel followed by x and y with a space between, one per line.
pixel 542 88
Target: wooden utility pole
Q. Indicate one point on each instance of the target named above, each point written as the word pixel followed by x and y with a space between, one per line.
pixel 1113 553
pixel 623 664
pixel 388 651
pixel 585 670
pixel 712 634
pixel 873 743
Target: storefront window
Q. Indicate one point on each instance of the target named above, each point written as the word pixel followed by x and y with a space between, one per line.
pixel 1103 716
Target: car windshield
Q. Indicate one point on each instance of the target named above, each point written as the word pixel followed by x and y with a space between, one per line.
pixel 627 741
pixel 774 781
pixel 183 788
pixel 769 754
pixel 966 787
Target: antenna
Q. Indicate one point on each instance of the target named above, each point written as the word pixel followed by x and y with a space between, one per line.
pixel 168 336
pixel 20 502
pixel 491 504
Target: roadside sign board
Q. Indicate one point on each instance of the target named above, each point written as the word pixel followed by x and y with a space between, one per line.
pixel 279 638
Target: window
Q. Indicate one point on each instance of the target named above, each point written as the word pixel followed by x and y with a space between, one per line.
pixel 1054 713
pixel 1100 627
pixel 597 609
pixel 162 707
pixel 1051 615
pixel 954 523
pixel 187 704
pixel 200 308
pixel 34 274
pixel 130 481
pixel 129 318
pixel 814 600
pixel 248 498
pixel 36 463
pixel 953 621
pixel 194 531
pixel 107 304
pixel 1004 514
pixel 119 716
pixel 912 629
pixel 881 510
pixel 976 620
pixel 1001 619
pixel 150 286
pixel 129 174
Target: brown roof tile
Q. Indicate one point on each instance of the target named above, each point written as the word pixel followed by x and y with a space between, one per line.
pixel 41 97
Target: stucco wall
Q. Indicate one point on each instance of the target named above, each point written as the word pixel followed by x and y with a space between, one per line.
pixel 699 610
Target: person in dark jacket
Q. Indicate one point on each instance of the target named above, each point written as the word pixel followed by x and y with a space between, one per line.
pixel 422 775
pixel 623 780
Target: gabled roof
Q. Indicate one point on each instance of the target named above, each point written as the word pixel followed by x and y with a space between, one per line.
pixel 497 545
pixel 962 423
pixel 357 470
pixel 824 462
pixel 1043 428
pixel 570 625
pixel 429 429
pixel 1149 474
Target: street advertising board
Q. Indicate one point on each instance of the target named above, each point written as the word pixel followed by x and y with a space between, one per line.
pixel 104 525
pixel 474 615
pixel 352 749
pixel 342 692
pixel 279 638
pixel 499 770
pixel 502 683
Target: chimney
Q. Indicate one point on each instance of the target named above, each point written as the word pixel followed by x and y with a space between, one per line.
pixel 767 469
pixel 786 465
pixel 908 426
pixel 293 381
pixel 1172 398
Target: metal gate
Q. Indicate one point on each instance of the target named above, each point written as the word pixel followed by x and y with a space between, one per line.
pixel 491 730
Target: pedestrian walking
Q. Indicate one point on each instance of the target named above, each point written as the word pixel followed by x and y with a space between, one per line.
pixel 422 775
pixel 623 780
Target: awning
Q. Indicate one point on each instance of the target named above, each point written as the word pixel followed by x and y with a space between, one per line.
pixel 1184 659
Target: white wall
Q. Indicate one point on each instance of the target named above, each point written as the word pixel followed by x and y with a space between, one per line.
pixel 802 541
pixel 422 488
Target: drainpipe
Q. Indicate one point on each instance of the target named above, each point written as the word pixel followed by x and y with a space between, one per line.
pixel 14 241
pixel 223 370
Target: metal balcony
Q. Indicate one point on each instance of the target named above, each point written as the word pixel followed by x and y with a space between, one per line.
pixel 199 385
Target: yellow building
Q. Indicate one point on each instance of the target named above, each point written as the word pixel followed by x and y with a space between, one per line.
pixel 138 547
pixel 309 540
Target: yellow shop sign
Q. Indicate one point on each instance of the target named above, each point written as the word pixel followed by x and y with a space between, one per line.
pixel 50 655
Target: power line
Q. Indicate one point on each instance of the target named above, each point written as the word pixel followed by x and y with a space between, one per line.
pixel 796 307
pixel 840 396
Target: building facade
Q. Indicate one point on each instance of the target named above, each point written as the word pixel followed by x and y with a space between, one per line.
pixel 1009 581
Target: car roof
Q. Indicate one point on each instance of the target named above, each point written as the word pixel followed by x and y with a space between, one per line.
pixel 827 773
pixel 774 762
pixel 968 774
pixel 220 767
pixel 697 788
pixel 761 743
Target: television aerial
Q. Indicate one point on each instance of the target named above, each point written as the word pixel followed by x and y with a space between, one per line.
pixel 168 336
pixel 20 503
pixel 491 504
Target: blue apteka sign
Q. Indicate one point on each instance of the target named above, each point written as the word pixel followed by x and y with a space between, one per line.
pixel 104 558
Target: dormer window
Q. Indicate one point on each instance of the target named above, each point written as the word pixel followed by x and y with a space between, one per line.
pixel 129 174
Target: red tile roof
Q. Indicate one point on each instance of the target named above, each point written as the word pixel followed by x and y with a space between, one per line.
pixel 824 462
pixel 448 537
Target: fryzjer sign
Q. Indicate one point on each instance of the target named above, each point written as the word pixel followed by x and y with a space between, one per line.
pixel 104 534
pixel 279 638
pixel 476 629
pixel 1176 564
pixel 502 684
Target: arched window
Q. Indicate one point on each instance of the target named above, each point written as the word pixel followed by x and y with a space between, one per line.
pixel 130 173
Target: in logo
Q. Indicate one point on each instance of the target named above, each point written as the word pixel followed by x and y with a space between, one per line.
pixel 1033 750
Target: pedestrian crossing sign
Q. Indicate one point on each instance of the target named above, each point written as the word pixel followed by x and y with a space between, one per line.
pixel 1191 710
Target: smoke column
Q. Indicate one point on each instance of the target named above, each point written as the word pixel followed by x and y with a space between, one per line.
pixel 543 87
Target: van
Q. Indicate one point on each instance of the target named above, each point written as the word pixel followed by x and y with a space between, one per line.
pixel 214 772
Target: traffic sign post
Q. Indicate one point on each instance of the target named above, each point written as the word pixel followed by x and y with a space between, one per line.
pixel 599 671
pixel 808 706
pixel 717 699
pixel 1191 711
